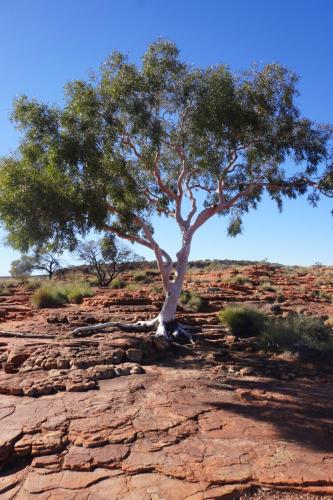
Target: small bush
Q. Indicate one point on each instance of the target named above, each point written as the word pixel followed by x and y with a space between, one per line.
pixel 307 336
pixel 33 284
pixel 280 297
pixel 4 290
pixel 75 292
pixel 191 301
pixel 325 296
pixel 267 287
pixel 133 287
pixel 47 296
pixel 238 279
pixel 156 290
pixel 141 277
pixel 243 321
pixel 117 283
pixel 57 294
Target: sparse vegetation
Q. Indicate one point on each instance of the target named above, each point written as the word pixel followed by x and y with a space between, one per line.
pixel 243 321
pixel 191 301
pixel 309 337
pixel 57 294
pixel 117 284
pixel 133 287
pixel 156 289
pixel 141 277
pixel 33 284
pixel 238 279
pixel 267 287
pixel 77 291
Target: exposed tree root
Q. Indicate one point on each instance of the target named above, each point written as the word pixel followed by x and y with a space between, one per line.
pixel 26 335
pixel 166 332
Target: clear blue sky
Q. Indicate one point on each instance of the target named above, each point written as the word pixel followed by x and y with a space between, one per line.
pixel 44 44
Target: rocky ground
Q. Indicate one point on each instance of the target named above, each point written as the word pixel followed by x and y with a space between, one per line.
pixel 109 417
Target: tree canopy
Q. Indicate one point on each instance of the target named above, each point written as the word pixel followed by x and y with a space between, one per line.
pixel 117 147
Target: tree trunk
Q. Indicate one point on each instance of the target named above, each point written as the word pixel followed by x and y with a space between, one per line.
pixel 168 311
pixel 168 329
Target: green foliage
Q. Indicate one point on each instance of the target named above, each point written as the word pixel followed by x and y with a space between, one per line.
pixel 117 283
pixel 309 337
pixel 49 296
pixel 141 277
pixel 97 151
pixel 23 267
pixel 267 287
pixel 33 284
pixel 156 290
pixel 191 301
pixel 75 292
pixel 57 294
pixel 42 259
pixel 280 297
pixel 7 286
pixel 238 279
pixel 133 287
pixel 105 258
pixel 243 321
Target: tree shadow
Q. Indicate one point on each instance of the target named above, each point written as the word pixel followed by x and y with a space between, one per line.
pixel 301 409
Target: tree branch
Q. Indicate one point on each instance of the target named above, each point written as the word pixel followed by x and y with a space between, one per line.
pixel 164 267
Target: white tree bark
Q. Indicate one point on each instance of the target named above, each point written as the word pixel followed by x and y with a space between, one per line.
pixel 174 288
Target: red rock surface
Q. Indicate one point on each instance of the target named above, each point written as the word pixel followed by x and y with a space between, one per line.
pixel 109 417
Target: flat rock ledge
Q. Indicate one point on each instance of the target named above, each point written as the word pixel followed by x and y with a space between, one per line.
pixel 73 427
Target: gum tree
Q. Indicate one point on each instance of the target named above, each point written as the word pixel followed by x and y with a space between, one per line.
pixel 160 138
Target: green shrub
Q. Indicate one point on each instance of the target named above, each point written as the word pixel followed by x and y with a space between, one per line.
pixel 243 321
pixel 75 292
pixel 47 296
pixel 238 279
pixel 267 287
pixel 141 277
pixel 117 283
pixel 33 284
pixel 4 290
pixel 280 297
pixel 133 287
pixel 191 301
pixel 156 290
pixel 325 296
pixel 307 336
pixel 55 294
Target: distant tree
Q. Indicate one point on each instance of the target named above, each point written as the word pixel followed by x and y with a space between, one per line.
pixel 40 260
pixel 105 258
pixel 23 267
pixel 163 138
pixel 47 261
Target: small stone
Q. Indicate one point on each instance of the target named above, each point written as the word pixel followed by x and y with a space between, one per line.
pixel 62 363
pixel 246 371
pixel 81 386
pixel 134 355
pixel 121 371
pixel 136 369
